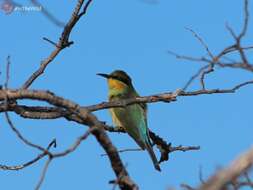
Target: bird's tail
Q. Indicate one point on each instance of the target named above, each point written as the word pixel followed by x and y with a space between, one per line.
pixel 153 157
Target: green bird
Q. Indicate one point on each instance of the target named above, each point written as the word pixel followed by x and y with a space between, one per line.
pixel 133 118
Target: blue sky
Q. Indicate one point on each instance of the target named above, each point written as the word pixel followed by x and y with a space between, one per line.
pixel 135 36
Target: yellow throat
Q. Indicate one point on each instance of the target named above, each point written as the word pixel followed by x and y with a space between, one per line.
pixel 116 84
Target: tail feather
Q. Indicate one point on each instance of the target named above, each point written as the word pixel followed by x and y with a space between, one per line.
pixel 153 157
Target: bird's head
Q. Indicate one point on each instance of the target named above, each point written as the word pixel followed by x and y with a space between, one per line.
pixel 117 80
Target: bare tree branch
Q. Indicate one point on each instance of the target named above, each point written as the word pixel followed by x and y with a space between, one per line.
pixel 37 158
pixel 86 118
pixel 63 108
pixel 62 43
pixel 217 60
pixel 38 112
pixel 221 178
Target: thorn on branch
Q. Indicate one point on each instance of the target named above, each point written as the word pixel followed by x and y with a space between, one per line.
pixel 50 41
pixel 52 143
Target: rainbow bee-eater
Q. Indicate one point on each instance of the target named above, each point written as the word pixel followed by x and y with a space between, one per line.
pixel 133 118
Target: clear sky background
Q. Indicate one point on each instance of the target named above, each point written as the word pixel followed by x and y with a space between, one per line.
pixel 135 36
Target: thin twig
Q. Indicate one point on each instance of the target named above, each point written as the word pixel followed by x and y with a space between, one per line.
pixel 48 15
pixel 22 166
pixel 43 174
pixel 7 72
pixel 126 150
pixel 189 82
pixel 201 42
pixel 246 20
pixel 23 139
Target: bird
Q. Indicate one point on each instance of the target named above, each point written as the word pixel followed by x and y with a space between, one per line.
pixel 132 118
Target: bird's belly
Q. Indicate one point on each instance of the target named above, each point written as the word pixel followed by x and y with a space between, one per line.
pixel 124 117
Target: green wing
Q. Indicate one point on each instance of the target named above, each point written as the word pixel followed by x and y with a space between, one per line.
pixel 144 108
pixel 145 111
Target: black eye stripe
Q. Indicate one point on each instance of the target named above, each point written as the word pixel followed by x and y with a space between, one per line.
pixel 121 79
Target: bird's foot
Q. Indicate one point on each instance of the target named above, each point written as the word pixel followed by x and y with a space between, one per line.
pixel 119 128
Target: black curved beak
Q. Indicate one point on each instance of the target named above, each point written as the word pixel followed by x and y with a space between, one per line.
pixel 103 75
